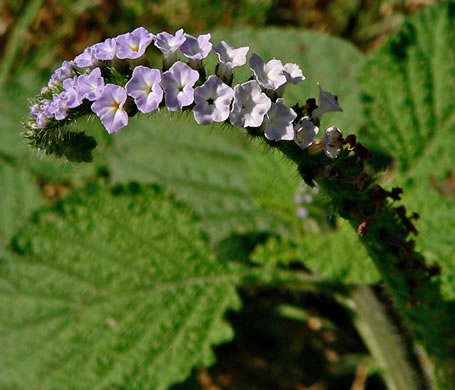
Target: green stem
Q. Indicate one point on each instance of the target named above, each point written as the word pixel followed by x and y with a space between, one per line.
pixel 381 338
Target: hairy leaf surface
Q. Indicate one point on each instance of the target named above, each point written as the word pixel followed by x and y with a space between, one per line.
pixel 410 90
pixel 119 287
pixel 19 196
pixel 333 252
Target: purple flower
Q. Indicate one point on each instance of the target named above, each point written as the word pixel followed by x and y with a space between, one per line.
pixel 86 58
pixel 178 84
pixel 44 108
pixel 333 142
pixel 109 108
pixel 59 106
pixel 41 112
pixel 145 88
pixel 307 198
pixel 305 132
pixel 250 105
pixel 91 85
pixel 65 71
pixel 71 87
pixel 213 100
pixel 279 122
pixel 302 212
pixel 42 120
pixel 298 199
pixel 315 190
pixel 106 50
pixel 132 45
pixel 196 48
pixel 270 75
pixel 169 43
pixel 35 109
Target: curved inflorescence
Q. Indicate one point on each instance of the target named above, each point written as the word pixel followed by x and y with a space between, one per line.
pixel 113 80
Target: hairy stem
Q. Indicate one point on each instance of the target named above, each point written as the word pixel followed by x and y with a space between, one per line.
pixel 381 338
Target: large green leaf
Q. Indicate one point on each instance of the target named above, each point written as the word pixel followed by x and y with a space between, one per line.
pixel 410 89
pixel 207 167
pixel 111 290
pixel 19 196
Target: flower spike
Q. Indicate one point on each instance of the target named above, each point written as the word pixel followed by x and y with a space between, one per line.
pixel 109 79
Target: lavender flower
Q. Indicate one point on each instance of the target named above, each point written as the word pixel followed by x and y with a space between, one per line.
pixel 327 103
pixel 145 88
pixel 132 45
pixel 169 43
pixel 178 84
pixel 105 50
pixel 279 122
pixel 302 212
pixel 270 75
pixel 109 108
pixel 298 199
pixel 333 142
pixel 41 112
pixel 305 131
pixel 42 120
pixel 213 100
pixel 59 106
pixel 65 71
pixel 91 85
pixel 196 48
pixel 250 105
pixel 71 90
pixel 35 109
pixel 307 198
pixel 86 59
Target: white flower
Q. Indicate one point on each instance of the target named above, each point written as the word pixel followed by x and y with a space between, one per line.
pixel 327 103
pixel 293 73
pixel 305 132
pixel 270 75
pixel 213 100
pixel 229 56
pixel 333 142
pixel 250 105
pixel 279 122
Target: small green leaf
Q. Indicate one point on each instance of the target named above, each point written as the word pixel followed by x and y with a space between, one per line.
pixel 120 288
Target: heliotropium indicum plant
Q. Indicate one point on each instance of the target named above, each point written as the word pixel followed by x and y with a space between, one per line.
pixel 114 81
